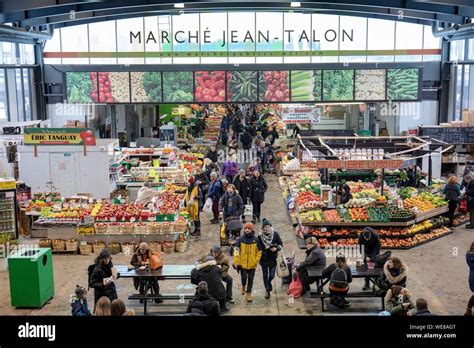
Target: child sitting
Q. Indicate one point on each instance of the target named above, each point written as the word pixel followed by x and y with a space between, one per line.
pixel 78 302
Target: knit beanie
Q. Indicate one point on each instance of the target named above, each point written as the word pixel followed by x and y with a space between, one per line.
pixel 265 222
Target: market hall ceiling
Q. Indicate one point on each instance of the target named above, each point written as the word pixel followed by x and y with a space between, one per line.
pixel 60 13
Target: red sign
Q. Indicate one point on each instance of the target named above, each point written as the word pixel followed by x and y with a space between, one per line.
pixel 359 164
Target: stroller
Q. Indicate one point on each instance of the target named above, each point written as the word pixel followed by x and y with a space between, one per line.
pixel 230 231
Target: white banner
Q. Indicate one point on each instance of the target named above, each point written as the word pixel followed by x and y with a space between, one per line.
pixel 305 115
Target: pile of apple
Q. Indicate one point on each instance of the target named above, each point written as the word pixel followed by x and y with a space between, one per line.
pixel 122 212
pixel 171 202
pixel 359 214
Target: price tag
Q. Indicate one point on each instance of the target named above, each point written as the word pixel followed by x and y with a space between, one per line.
pixel 132 219
pixel 45 211
pixel 324 229
pixel 113 219
pixel 88 219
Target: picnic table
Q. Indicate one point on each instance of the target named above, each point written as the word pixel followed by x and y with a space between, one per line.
pixel 147 278
pixel 361 271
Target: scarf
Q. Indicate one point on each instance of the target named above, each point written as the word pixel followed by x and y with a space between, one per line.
pixel 267 238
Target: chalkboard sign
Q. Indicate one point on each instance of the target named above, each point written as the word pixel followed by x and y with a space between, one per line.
pixel 450 135
pixel 327 133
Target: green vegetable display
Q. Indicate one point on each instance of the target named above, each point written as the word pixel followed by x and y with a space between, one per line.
pixel 402 84
pixel 152 86
pixel 306 85
pixel 79 87
pixel 242 86
pixel 338 85
pixel 178 87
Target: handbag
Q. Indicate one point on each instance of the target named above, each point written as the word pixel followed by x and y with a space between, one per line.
pixel 282 267
pixel 156 261
pixel 248 209
pixel 208 206
pixel 296 287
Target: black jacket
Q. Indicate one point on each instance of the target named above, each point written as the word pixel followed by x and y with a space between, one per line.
pixel 332 267
pixel 246 140
pixel 470 193
pixel 258 189
pixel 237 205
pixel 212 155
pixel 243 187
pixel 269 257
pixel 452 192
pixel 210 273
pixel 424 313
pixel 204 305
pixel 314 257
pixel 371 246
pixel 100 272
pixel 204 178
pixel 470 264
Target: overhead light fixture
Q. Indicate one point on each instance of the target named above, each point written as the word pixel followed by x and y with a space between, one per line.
pixel 179 5
pixel 295 4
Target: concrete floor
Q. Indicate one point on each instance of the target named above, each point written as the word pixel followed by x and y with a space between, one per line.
pixel 437 272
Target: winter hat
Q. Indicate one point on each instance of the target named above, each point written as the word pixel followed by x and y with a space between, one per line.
pixel 143 246
pixel 367 232
pixel 105 253
pixel 265 222
pixel 209 258
pixel 80 290
pixel 249 226
pixel 241 171
pixel 216 249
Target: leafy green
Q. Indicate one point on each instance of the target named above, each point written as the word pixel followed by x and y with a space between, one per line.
pixel 338 85
pixel 79 87
pixel 152 86
pixel 178 86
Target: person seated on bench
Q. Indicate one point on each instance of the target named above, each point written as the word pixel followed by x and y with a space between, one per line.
pixel 369 240
pixel 421 309
pixel 394 273
pixel 140 258
pixel 340 276
pixel 203 304
pixel 314 257
pixel 398 301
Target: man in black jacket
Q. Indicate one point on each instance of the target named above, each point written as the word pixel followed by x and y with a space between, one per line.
pixel 203 303
pixel 369 241
pixel 211 274
pixel 242 185
pixel 314 257
pixel 212 154
pixel 101 278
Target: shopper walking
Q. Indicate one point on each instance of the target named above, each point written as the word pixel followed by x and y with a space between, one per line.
pixel 212 154
pixel 398 301
pixel 193 199
pixel 470 198
pixel 246 140
pixel 470 263
pixel 101 277
pixel 203 304
pixel 117 308
pixel 78 301
pixel 242 185
pixel 394 273
pixel 314 257
pixel 247 254
pixel 215 193
pixel 209 272
pixel 141 258
pixel 230 169
pixel 202 180
pixel 340 276
pixel 258 187
pixel 452 192
pixel 231 204
pixel 103 307
pixel 271 244
pixel 369 241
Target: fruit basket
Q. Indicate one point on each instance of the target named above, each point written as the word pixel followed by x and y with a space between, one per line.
pixel 180 226
pixel 72 245
pixel 167 227
pixel 154 228
pixel 181 246
pixel 168 247
pixel 113 228
pixel 127 228
pixel 101 228
pixel 59 245
pixel 97 247
pixel 141 227
pixel 45 243
pixel 114 248
pixel 155 247
pixel 128 248
pixel 85 229
pixel 85 249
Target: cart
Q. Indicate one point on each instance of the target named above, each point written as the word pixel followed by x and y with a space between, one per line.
pixel 230 230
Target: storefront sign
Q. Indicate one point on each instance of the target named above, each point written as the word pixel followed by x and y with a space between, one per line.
pixel 59 136
pixel 304 115
pixel 359 165
pixel 8 185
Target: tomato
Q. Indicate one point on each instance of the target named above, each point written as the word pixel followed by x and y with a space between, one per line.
pixel 205 91
pixel 216 98
pixel 268 95
pixel 276 75
pixel 212 92
pixel 276 83
pixel 199 89
pixel 284 87
pixel 109 100
pixel 286 93
pixel 271 88
pixel 108 95
pixel 198 96
pixel 274 99
pixel 279 94
pixel 282 80
pixel 268 80
pixel 283 74
pixel 208 83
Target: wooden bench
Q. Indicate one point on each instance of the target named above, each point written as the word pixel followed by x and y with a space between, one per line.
pixel 161 296
pixel 366 294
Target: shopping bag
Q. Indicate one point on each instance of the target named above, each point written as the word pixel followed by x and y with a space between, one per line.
pixel 248 209
pixel 296 287
pixel 156 261
pixel 207 206
pixel 282 267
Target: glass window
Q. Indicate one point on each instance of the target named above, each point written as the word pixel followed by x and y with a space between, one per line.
pixel 465 95
pixel 125 41
pixel 9 52
pixel 458 87
pixel 213 27
pixel 53 45
pixel 325 29
pixel 19 95
pixel 160 39
pixel 244 24
pixel 381 36
pixel 186 37
pixel 456 52
pixel 3 97
pixel 297 36
pixel 408 36
pixel 74 39
pixel 471 89
pixel 430 42
pixel 102 38
pixel 27 94
pixel 470 49
pixel 269 35
pixel 352 36
pixel 27 54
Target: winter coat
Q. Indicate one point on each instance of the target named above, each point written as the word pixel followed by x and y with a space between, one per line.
pixel 211 155
pixel 258 189
pixel 222 261
pixel 395 276
pixel 215 190
pixel 229 168
pixel 314 257
pixel 204 178
pixel 243 187
pixel 269 257
pixel 371 246
pixel 100 272
pixel 246 140
pixel 247 252
pixel 452 192
pixel 327 273
pixel 204 305
pixel 193 208
pixel 236 208
pixel 79 307
pixel 345 197
pixel 470 193
pixel 470 263
pixel 210 273
pixel 424 313
pixel 393 304
pixel 274 135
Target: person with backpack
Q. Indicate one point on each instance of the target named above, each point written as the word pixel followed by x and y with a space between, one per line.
pixel 271 244
pixel 215 192
pixel 398 301
pixel 78 301
pixel 369 241
pixel 247 254
pixel 231 204
pixel 230 169
pixel 340 276
pixel 141 258
pixel 101 278
pixel 203 304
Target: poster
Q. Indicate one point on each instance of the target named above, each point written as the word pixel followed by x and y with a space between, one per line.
pixel 303 115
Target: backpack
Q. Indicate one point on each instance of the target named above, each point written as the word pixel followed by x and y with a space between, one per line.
pixel 90 270
pixel 339 278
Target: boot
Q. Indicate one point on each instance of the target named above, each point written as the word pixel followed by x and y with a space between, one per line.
pixel 197 229
pixel 267 294
pixel 366 285
pixel 242 290
pixel 468 312
pixel 248 297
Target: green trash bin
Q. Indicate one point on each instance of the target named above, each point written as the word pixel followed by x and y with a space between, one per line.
pixel 31 277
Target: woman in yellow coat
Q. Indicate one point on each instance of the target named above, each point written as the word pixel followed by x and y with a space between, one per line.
pixel 193 199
